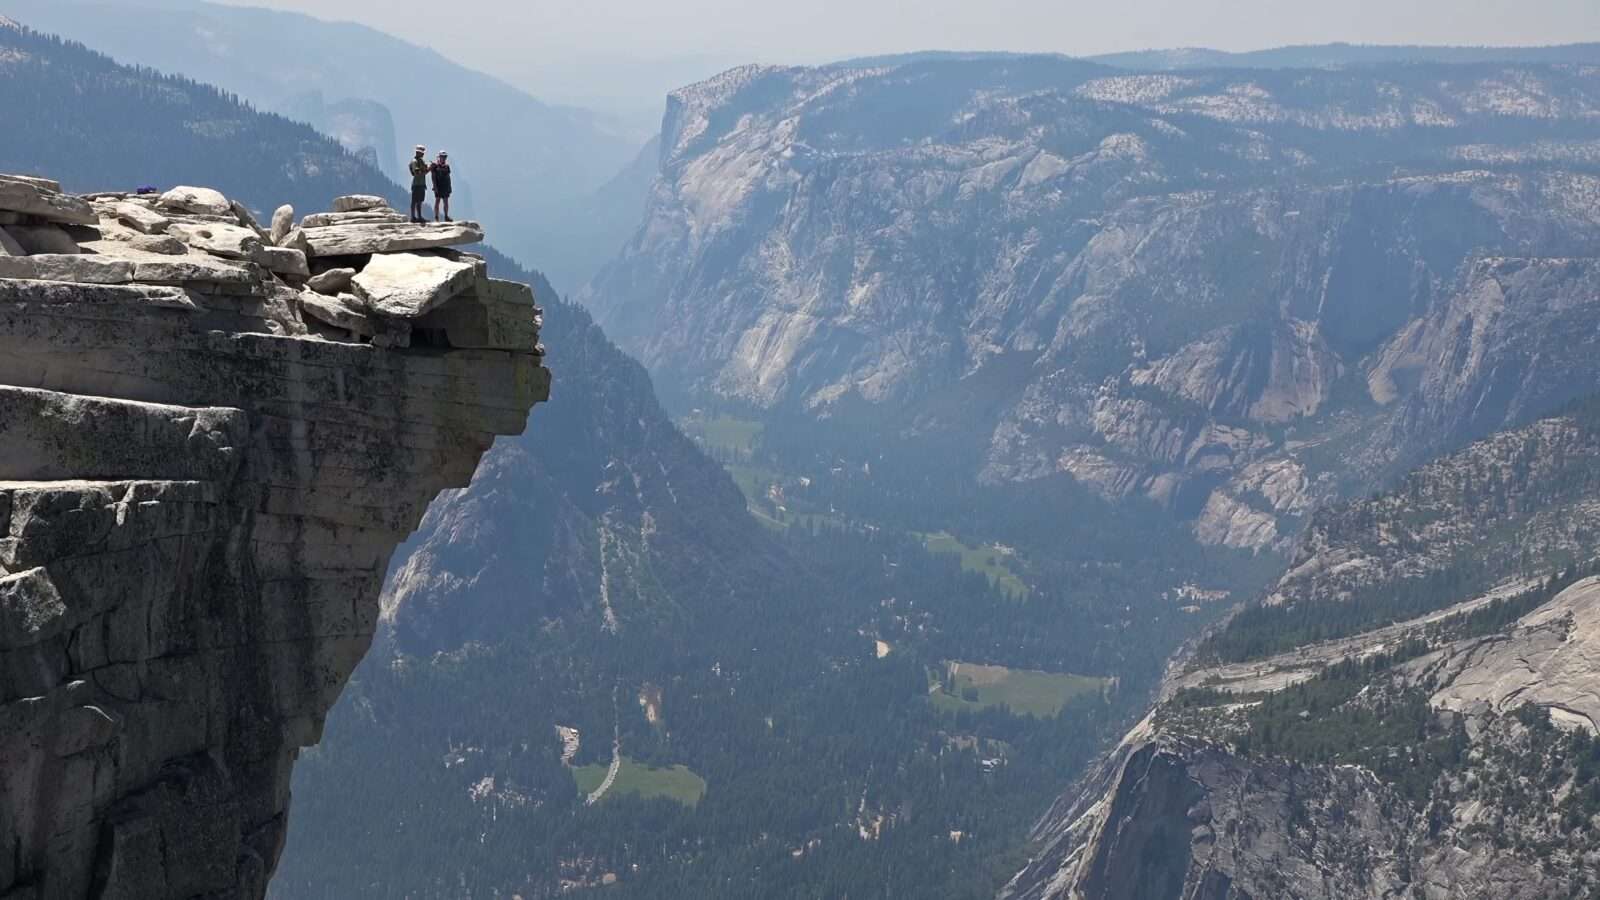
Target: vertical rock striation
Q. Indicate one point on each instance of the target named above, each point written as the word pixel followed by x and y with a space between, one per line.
pixel 205 466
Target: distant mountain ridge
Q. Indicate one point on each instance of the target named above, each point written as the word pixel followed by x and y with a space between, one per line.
pixel 65 91
pixel 1192 287
pixel 1297 56
pixel 1321 56
pixel 543 160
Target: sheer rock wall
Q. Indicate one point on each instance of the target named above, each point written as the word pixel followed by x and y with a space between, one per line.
pixel 205 465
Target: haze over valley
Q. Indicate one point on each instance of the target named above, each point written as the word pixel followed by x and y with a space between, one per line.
pixel 1039 454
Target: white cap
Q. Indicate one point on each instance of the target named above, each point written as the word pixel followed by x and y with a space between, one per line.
pixel 421 148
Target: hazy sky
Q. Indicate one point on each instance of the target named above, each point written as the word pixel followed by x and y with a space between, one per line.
pixel 565 49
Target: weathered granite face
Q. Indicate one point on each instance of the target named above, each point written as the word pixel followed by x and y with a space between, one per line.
pixel 200 489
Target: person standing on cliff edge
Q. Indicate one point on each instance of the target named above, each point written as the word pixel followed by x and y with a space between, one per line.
pixel 441 186
pixel 419 184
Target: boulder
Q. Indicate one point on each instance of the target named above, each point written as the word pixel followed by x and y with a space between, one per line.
pixel 382 237
pixel 43 238
pixel 284 261
pixel 36 197
pixel 339 311
pixel 199 200
pixel 296 240
pixel 140 217
pixel 9 245
pixel 282 224
pixel 78 267
pixel 358 203
pixel 245 216
pixel 332 282
pixel 407 285
pixel 227 241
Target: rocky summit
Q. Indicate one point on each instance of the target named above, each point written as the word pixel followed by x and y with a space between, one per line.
pixel 213 435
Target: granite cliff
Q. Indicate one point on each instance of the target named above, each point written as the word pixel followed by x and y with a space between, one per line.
pixel 213 435
pixel 1410 711
pixel 1236 293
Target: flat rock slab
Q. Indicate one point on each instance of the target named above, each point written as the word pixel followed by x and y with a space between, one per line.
pixel 76 267
pixel 163 244
pixel 204 201
pixel 227 241
pixel 56 293
pixel 386 237
pixel 140 217
pixel 323 220
pixel 284 261
pixel 48 184
pixel 32 197
pixel 184 267
pixel 340 312
pixel 407 285
pixel 358 203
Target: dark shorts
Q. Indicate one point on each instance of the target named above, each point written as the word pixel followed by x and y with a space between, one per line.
pixel 442 195
pixel 419 193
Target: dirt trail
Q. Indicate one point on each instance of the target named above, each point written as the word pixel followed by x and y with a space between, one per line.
pixel 616 755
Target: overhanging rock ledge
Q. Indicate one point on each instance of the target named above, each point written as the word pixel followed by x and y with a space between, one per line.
pixel 212 438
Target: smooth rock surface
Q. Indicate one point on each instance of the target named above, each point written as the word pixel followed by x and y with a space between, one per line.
pixel 332 282
pixel 323 220
pixel 284 261
pixel 141 217
pixel 348 240
pixel 228 241
pixel 282 223
pixel 41 198
pixel 410 284
pixel 199 200
pixel 67 267
pixel 358 203
pixel 164 244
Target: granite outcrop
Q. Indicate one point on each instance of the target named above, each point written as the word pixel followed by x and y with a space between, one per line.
pixel 213 435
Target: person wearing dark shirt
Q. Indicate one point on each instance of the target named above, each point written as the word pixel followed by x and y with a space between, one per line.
pixel 441 186
pixel 419 183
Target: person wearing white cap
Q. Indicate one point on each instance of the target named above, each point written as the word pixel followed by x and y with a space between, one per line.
pixel 441 186
pixel 419 184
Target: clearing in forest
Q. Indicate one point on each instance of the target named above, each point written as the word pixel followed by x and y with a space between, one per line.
pixel 675 783
pixel 970 686
pixel 990 561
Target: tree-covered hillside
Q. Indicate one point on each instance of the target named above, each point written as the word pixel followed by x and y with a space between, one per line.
pixel 794 707
pixel 73 113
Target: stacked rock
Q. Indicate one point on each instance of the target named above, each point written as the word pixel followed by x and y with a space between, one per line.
pixel 361 273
